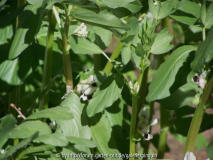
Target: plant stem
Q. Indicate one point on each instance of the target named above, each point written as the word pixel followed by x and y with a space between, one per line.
pixel 66 53
pixel 197 118
pixel 133 124
pixel 97 62
pixel 114 55
pixel 204 33
pixel 164 116
pixel 48 61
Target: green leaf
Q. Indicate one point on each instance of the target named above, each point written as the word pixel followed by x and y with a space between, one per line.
pixel 82 141
pixel 104 34
pixel 209 150
pixel 106 94
pixel 134 6
pixel 77 126
pixel 56 139
pixel 34 2
pixel 126 54
pixel 102 19
pixel 6 126
pixel 204 53
pixel 115 116
pixel 81 45
pixel 6 34
pixel 20 145
pixel 117 3
pixel 162 42
pixel 62 113
pixel 29 128
pixel 207 15
pixel 35 150
pixel 181 97
pixel 27 28
pixel 14 72
pixel 102 134
pixel 164 77
pixel 201 142
pixel 192 8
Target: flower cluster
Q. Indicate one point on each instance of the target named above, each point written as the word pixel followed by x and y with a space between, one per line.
pixel 81 31
pixel 134 88
pixel 201 80
pixel 87 87
pixel 144 123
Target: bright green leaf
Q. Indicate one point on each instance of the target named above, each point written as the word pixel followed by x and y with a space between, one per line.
pixel 74 127
pixel 56 139
pixel 106 94
pixel 62 113
pixel 164 77
pixel 204 53
pixel 117 3
pixel 102 134
pixel 28 128
pixel 162 42
pixel 81 45
pixel 6 126
pixel 104 34
pixel 207 15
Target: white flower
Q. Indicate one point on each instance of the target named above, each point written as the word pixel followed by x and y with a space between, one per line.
pixel 81 30
pixel 68 90
pixel 134 89
pixel 144 123
pixel 201 80
pixel 189 156
pixel 53 125
pixel 87 87
pixel 149 15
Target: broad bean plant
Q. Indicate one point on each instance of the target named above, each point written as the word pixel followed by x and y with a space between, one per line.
pixel 80 79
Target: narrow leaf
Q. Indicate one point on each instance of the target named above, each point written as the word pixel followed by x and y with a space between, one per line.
pixel 164 77
pixel 62 113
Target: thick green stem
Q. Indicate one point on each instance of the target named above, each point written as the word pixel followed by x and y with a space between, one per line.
pixel 66 53
pixel 48 61
pixel 97 62
pixel 114 55
pixel 133 125
pixel 164 125
pixel 197 118
pixel 204 33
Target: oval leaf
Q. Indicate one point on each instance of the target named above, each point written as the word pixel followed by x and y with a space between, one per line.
pixel 29 128
pixel 82 141
pixel 106 95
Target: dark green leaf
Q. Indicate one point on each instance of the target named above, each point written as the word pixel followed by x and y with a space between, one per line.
pixel 209 150
pixel 103 19
pixel 81 45
pixel 6 126
pixel 106 95
pixel 164 77
pixel 29 128
pixel 204 53
pixel 20 145
pixel 27 28
pixel 162 42
pixel 181 97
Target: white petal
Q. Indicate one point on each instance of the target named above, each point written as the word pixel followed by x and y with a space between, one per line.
pixel 83 97
pixel 189 156
pixel 53 125
pixel 154 122
pixel 79 88
pixel 130 85
pixel 147 136
pixel 84 87
pixel 91 79
pixel 90 90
